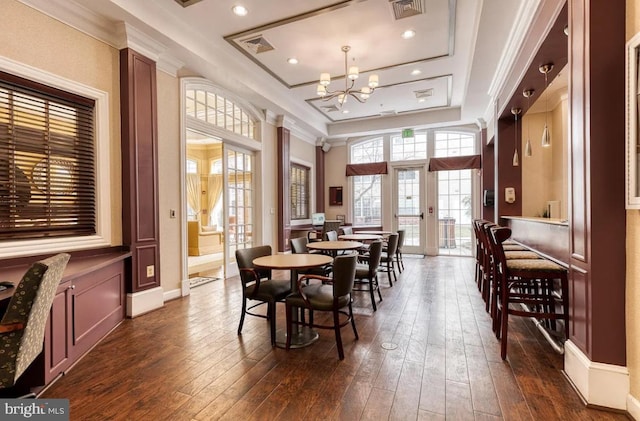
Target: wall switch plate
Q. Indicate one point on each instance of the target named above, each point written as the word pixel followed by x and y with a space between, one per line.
pixel 150 271
pixel 172 213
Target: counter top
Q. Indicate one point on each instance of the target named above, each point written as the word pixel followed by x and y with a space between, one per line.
pixel 552 221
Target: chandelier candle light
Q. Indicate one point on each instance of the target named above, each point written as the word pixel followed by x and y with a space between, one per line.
pixel 351 74
pixel 516 161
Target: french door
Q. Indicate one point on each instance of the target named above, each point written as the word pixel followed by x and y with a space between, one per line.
pixel 409 204
pixel 239 181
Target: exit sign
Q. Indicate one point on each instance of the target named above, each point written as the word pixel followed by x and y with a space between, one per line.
pixel 406 133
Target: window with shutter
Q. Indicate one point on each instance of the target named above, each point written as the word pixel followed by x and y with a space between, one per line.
pixel 47 161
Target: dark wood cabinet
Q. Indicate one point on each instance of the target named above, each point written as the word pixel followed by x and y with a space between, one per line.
pixel 57 338
pixel 86 307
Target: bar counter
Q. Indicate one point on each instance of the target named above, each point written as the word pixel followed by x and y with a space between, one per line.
pixel 544 235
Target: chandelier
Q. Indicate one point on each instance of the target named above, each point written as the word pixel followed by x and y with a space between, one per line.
pixel 351 74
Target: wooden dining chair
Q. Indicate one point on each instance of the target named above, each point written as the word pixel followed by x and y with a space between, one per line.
pixel 330 295
pixel 367 274
pixel 257 285
pixel 526 287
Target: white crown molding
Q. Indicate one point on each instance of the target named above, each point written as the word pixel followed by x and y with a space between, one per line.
pixel 169 64
pixel 519 30
pixel 270 117
pixel 78 17
pixel 599 384
pixel 131 37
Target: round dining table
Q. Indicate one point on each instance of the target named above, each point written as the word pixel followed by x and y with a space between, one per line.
pixel 359 237
pixel 333 247
pixel 382 233
pixel 303 335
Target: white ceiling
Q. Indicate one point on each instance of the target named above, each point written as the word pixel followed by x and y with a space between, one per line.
pixel 457 48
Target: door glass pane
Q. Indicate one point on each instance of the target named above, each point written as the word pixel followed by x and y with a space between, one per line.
pixel 454 213
pixel 408 205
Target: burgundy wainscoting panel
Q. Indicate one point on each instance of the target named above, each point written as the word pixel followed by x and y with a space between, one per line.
pixel 98 305
pixel 140 166
pixel 284 199
pixel 579 297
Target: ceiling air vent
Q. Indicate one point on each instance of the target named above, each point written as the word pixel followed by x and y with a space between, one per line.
pixel 257 44
pixel 422 96
pixel 185 3
pixel 329 108
pixel 405 8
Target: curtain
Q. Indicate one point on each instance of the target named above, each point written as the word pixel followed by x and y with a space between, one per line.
pixel 372 168
pixel 193 193
pixel 215 191
pixel 455 163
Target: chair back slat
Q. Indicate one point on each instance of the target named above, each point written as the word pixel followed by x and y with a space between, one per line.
pixel 244 258
pixel 344 273
pixel 375 253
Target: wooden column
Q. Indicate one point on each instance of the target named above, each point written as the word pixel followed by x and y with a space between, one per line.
pixel 284 195
pixel 510 176
pixel 488 173
pixel 140 168
pixel 320 193
pixel 597 150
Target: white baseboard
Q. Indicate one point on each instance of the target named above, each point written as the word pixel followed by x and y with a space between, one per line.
pixel 633 407
pixel 599 384
pixel 433 251
pixel 186 287
pixel 172 295
pixel 144 301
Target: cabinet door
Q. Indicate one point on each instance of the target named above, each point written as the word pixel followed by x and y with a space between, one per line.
pixel 57 340
pixel 98 306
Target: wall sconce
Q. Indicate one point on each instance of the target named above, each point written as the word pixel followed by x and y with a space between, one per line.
pixel 515 111
pixel 546 136
pixel 528 93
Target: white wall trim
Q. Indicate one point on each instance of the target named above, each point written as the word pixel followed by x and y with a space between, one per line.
pixel 102 166
pixel 633 407
pixel 144 301
pixel 172 294
pixel 605 385
pixel 185 287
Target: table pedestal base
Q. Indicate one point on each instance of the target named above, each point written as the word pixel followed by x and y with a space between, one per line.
pixel 301 336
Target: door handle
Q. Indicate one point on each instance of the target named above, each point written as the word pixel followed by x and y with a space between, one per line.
pixel 421 215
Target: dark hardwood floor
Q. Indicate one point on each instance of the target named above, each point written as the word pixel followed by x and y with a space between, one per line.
pixel 186 362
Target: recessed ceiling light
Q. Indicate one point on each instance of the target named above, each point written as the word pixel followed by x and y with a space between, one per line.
pixel 240 10
pixel 415 72
pixel 345 111
pixel 292 60
pixel 409 33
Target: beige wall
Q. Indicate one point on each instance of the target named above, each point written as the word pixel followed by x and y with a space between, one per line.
pixel 544 173
pixel 34 39
pixel 633 256
pixel 335 162
pixel 169 180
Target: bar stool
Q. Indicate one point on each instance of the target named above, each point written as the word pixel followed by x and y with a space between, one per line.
pixel 528 282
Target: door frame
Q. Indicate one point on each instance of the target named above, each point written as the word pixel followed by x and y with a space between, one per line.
pixel 421 167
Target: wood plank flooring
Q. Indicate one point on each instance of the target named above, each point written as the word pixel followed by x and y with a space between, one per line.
pixel 186 362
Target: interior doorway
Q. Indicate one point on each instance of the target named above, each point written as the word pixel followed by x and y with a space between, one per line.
pixel 204 208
